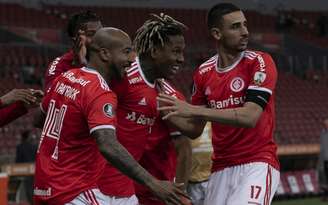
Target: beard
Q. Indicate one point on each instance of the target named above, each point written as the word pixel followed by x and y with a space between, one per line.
pixel 115 72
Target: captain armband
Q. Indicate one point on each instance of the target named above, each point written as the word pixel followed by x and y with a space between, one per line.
pixel 258 96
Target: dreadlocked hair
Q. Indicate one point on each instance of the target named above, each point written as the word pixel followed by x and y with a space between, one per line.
pixel 156 31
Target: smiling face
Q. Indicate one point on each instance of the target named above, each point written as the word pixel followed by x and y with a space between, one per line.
pixel 169 58
pixel 111 53
pixel 232 32
pixel 121 56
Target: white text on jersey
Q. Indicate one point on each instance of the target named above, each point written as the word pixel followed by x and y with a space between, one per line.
pixel 42 192
pixel 70 76
pixel 227 102
pixel 141 119
pixel 66 90
pixel 53 66
pixel 262 63
pixel 135 80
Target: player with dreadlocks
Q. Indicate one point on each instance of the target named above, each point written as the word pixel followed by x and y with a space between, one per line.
pixel 159 44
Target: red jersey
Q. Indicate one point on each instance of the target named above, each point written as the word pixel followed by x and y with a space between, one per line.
pixel 58 66
pixel 141 131
pixel 227 89
pixel 68 161
pixel 12 112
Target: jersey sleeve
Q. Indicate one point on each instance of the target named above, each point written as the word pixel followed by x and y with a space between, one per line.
pixel 11 112
pixel 99 108
pixel 198 94
pixel 263 80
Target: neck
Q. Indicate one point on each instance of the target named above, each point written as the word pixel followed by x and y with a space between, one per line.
pixel 226 57
pixel 98 67
pixel 148 69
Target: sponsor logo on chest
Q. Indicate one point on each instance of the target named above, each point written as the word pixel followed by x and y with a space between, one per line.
pixel 232 101
pixel 140 119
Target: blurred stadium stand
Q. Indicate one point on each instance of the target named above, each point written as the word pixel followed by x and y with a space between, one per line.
pixel 31 37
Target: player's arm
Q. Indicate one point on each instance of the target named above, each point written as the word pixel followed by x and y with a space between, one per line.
pixel 16 103
pixel 245 116
pixel 120 158
pixel 183 150
pixel 258 94
pixel 191 128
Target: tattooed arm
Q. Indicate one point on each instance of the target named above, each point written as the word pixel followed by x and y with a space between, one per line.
pixel 120 158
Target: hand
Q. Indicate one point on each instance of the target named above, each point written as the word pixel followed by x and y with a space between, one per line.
pixel 25 95
pixel 79 48
pixel 174 107
pixel 169 192
pixel 39 95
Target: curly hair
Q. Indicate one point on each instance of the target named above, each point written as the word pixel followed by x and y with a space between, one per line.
pixel 156 31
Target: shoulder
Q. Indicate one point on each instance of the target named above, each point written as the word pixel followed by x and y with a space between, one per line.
pixel 60 64
pixel 257 57
pixel 170 89
pixel 66 58
pixel 207 66
pixel 93 77
pixel 133 75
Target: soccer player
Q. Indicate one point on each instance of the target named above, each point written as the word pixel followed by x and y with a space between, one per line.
pixel 79 130
pixel 15 103
pixel 159 45
pixel 86 22
pixel 238 87
pixel 201 166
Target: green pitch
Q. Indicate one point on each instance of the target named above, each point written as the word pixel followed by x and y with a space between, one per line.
pixel 309 201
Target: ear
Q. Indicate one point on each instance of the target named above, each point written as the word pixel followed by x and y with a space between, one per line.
pixel 154 52
pixel 104 55
pixel 216 33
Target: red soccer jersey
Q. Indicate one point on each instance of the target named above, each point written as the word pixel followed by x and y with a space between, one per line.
pixel 227 89
pixel 68 161
pixel 58 66
pixel 141 131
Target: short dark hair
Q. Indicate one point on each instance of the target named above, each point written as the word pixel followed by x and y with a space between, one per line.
pixel 78 19
pixel 216 13
pixel 156 31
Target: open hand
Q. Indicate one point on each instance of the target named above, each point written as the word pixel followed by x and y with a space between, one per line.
pixel 169 192
pixel 24 95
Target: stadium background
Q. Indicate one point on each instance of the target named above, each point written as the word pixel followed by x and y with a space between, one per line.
pixel 32 33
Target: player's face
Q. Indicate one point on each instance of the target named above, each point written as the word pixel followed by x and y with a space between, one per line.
pixel 170 58
pixel 121 58
pixel 90 29
pixel 233 32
